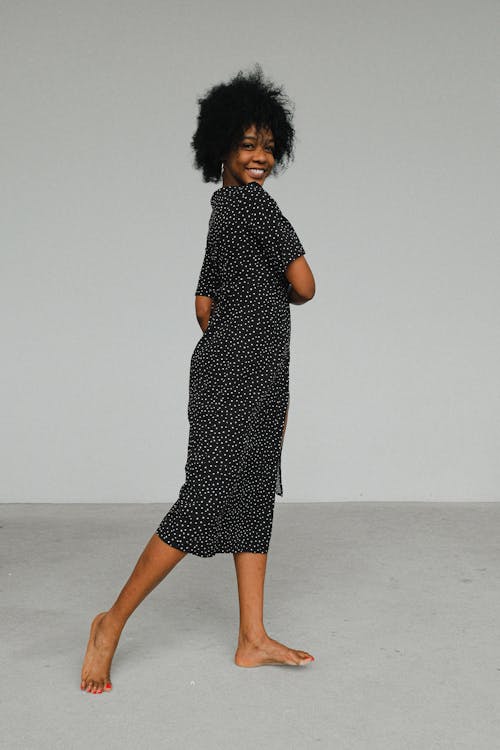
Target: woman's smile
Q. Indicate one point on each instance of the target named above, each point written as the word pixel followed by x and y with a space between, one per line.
pixel 256 172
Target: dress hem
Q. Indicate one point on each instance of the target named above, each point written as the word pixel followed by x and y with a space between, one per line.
pixel 198 553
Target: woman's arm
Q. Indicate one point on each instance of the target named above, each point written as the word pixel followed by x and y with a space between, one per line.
pixel 203 308
pixel 294 297
pixel 302 285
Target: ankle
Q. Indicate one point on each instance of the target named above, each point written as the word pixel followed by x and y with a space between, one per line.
pixel 252 636
pixel 115 619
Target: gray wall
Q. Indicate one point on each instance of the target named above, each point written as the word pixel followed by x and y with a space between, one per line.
pixel 394 193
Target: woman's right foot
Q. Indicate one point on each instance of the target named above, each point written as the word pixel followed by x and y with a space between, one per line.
pixel 267 651
pixel 103 640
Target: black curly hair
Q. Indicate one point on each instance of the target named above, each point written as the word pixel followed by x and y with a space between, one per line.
pixel 227 109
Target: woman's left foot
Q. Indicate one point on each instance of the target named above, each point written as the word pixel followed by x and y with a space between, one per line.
pixel 267 651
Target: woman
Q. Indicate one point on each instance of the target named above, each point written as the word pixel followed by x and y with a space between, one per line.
pixel 238 388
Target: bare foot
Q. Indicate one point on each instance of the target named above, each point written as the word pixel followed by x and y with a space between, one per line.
pixel 103 640
pixel 268 651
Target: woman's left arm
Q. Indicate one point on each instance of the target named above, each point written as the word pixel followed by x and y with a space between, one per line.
pixel 301 280
pixel 282 246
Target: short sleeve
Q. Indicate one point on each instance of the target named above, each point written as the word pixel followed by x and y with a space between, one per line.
pixel 208 281
pixel 274 231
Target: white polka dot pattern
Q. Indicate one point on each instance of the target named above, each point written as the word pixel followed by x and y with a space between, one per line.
pixel 238 380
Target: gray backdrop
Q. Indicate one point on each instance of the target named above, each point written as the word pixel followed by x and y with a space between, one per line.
pixel 394 193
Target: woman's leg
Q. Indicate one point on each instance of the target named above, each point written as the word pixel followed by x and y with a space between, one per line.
pixel 255 647
pixel 284 424
pixel 155 562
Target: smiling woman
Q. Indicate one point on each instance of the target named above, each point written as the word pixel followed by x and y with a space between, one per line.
pixel 245 113
pixel 253 267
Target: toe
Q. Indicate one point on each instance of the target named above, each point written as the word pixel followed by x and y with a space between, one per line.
pixel 108 685
pixel 306 655
pixel 308 660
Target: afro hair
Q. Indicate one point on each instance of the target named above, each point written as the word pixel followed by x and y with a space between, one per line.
pixel 225 112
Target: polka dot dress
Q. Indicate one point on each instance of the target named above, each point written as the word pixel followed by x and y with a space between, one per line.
pixel 238 380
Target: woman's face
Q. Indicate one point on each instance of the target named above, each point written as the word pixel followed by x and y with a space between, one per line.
pixel 251 160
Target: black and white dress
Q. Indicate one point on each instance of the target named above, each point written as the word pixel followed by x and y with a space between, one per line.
pixel 238 380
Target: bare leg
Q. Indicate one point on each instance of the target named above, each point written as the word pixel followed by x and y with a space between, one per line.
pixel 255 647
pixel 284 424
pixel 155 562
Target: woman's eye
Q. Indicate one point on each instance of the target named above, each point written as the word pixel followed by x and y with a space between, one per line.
pixel 250 145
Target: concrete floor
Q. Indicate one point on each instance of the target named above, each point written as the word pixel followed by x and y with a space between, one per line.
pixel 399 603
